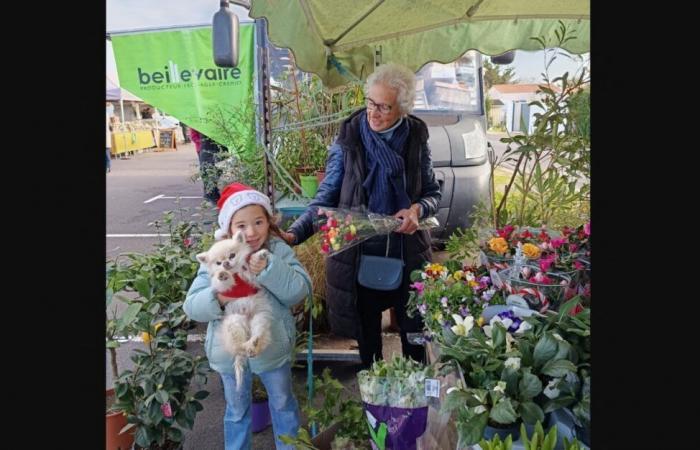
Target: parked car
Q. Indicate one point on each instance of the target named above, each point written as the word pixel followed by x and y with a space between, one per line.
pixel 449 97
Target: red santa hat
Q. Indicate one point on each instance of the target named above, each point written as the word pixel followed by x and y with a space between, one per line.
pixel 234 197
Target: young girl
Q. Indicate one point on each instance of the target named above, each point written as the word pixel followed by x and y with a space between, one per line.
pixel 286 283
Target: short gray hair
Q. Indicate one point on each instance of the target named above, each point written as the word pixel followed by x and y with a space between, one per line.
pixel 396 77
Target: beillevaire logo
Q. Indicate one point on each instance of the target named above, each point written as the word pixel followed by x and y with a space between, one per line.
pixel 172 74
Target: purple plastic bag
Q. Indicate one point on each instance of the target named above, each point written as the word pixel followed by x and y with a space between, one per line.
pixel 395 428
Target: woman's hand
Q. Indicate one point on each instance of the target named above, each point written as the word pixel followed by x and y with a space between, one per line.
pixel 409 219
pixel 289 238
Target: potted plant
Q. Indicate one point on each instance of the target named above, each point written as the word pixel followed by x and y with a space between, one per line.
pixel 340 420
pixel 156 396
pixel 260 408
pixel 115 418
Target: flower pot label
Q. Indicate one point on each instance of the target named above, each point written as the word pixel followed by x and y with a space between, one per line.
pixel 432 387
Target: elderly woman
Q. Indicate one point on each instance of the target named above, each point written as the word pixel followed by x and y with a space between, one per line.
pixel 380 161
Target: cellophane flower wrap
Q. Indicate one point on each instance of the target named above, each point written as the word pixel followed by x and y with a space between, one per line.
pixel 343 228
pixel 396 407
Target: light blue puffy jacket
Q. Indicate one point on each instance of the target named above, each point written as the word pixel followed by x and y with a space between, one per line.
pixel 286 283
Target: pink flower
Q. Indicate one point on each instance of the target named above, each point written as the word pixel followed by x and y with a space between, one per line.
pixel 546 263
pixel 505 231
pixel 578 265
pixel 166 410
pixel 558 242
pixel 187 242
pixel 418 286
pixel 587 228
pixel 573 247
pixel 540 278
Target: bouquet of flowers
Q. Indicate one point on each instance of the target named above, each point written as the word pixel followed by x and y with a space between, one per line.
pixel 342 228
pixel 498 249
pixel 446 296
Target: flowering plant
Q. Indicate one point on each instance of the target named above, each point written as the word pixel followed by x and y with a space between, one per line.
pixel 399 382
pixel 343 228
pixel 450 296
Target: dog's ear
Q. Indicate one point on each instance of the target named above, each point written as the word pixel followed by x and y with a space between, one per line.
pixel 238 237
pixel 202 257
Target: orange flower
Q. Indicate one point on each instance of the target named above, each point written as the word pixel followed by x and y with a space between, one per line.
pixel 498 245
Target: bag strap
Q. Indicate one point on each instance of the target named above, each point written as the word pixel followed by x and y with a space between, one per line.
pixel 388 236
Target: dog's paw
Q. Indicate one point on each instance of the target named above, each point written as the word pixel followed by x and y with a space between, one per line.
pixel 223 276
pixel 260 255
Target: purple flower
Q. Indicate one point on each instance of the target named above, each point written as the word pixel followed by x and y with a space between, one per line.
pixel 443 300
pixel 488 294
pixel 418 286
pixel 464 311
pixel 422 308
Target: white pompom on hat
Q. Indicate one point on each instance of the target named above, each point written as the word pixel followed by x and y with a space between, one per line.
pixel 234 197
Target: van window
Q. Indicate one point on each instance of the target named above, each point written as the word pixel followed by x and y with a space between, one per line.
pixel 452 87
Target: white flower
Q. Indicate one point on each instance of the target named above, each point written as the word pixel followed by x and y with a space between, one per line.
pixel 550 390
pixel 479 409
pixel 558 337
pixel 513 363
pixel 487 330
pixel 463 325
pixel 470 276
pixel 506 322
pixel 500 387
pixel 524 326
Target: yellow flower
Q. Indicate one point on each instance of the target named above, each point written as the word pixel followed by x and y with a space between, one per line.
pixel 458 275
pixel 148 337
pixel 498 245
pixel 531 251
pixel 480 321
pixel 473 284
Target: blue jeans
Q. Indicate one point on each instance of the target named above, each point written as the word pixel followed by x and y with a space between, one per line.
pixel 283 407
pixel 109 159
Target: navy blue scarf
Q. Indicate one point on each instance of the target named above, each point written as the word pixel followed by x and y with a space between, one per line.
pixel 385 180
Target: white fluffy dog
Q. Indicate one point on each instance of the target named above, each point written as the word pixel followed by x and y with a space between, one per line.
pixel 245 330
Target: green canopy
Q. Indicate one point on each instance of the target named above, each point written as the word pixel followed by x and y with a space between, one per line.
pixel 330 37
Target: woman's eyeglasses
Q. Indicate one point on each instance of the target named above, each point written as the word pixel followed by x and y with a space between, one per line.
pixel 381 107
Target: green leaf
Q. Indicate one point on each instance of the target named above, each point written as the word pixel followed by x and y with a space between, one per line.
pixel 503 412
pixel 162 396
pixel 129 316
pixel 455 400
pixel 498 334
pixel 175 434
pixel 545 349
pixel 201 395
pixel 530 386
pixel 530 412
pixel 558 368
pixel 471 432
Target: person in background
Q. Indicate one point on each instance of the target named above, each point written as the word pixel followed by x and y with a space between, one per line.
pixel 110 113
pixel 206 152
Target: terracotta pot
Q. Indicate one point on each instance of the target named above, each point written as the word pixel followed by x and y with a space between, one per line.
pixel 115 421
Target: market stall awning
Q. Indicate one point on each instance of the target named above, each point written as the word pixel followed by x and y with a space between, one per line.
pixel 340 39
pixel 116 93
